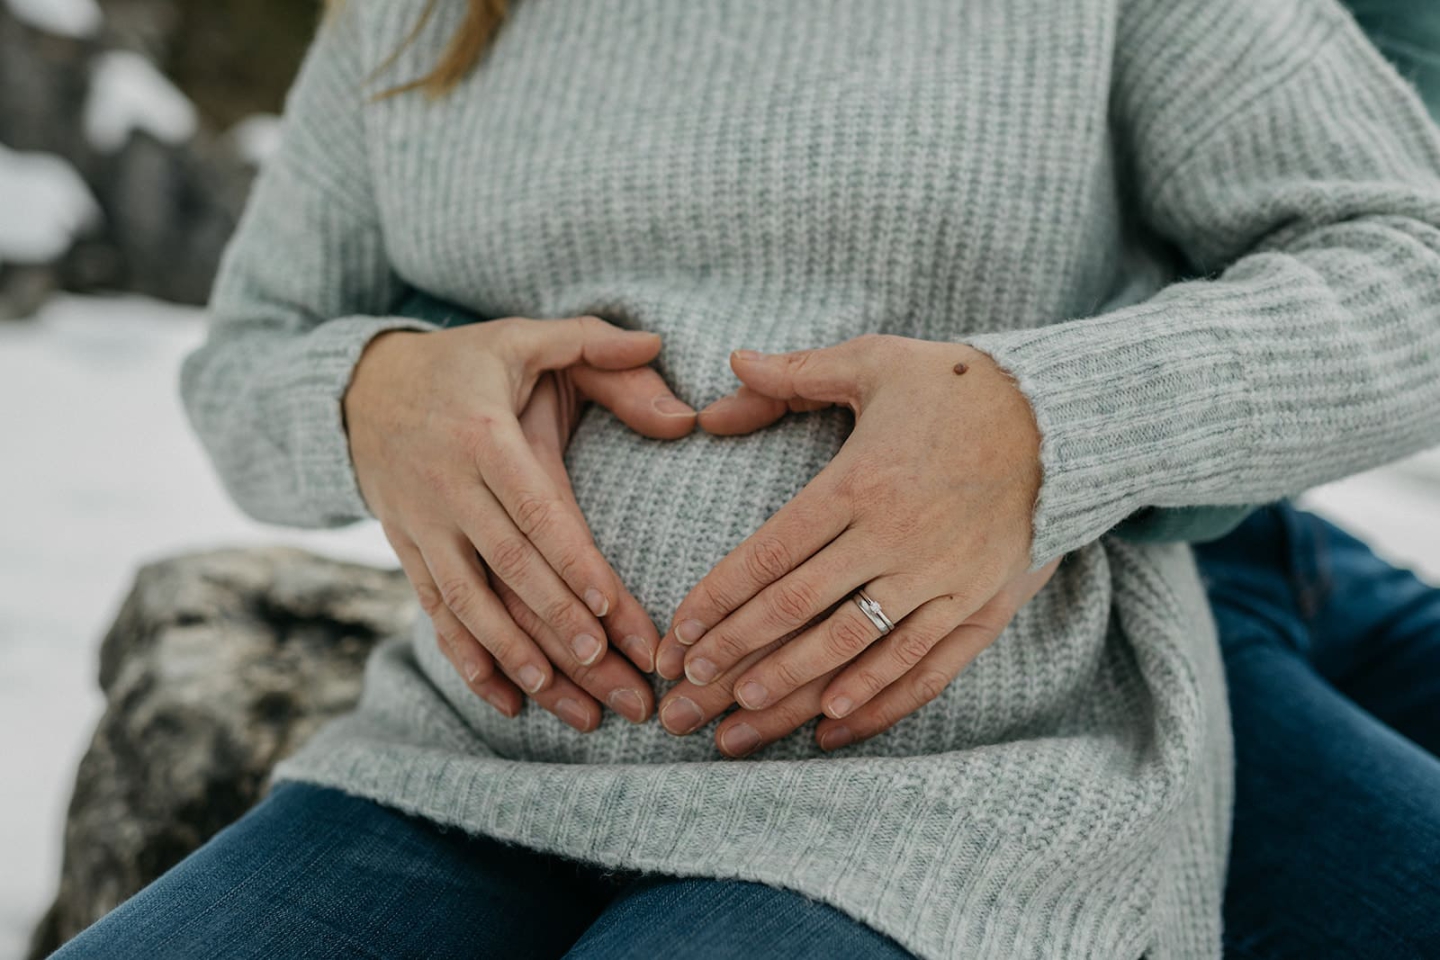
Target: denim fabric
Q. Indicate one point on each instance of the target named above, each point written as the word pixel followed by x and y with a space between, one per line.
pixel 1333 662
pixel 313 874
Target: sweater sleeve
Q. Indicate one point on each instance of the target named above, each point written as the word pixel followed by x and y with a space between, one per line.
pixel 1301 177
pixel 304 285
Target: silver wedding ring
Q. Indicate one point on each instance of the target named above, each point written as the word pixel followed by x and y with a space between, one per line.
pixel 872 610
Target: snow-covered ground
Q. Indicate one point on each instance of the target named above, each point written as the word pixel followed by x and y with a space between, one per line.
pixel 100 473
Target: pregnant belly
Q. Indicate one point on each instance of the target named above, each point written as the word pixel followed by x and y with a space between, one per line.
pixel 665 512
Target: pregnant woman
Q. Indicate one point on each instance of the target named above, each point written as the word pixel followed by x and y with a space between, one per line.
pixel 923 236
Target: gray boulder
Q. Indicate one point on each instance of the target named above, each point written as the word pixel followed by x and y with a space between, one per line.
pixel 218 665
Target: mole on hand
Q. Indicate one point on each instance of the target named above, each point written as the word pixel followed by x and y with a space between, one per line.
pixel 960 368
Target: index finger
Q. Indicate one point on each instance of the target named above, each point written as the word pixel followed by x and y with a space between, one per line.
pixel 792 535
pixel 550 519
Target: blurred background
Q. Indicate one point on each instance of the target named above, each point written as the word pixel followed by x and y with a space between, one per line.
pixel 130 131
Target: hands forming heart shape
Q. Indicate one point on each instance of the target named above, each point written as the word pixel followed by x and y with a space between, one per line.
pixel 458 438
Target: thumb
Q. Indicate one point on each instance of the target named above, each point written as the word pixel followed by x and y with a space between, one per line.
pixel 556 344
pixel 746 411
pixel 639 397
pixel 835 374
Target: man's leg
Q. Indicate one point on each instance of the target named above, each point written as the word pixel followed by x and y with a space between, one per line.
pixel 1375 630
pixel 1337 823
pixel 1337 816
pixel 315 873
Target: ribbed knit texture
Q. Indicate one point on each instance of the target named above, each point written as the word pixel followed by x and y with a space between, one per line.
pixel 752 173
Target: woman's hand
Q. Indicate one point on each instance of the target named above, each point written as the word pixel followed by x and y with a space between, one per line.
pixel 688 706
pixel 445 463
pixel 927 507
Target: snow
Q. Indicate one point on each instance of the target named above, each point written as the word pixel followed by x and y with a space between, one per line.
pixel 45 205
pixel 256 138
pixel 128 94
pixel 68 18
pixel 101 472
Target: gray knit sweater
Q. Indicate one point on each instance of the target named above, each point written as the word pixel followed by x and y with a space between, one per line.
pixel 778 175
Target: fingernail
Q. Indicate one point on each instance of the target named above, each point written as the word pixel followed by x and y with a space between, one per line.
pixel 472 668
pixel 689 631
pixel 680 716
pixel 670 407
pixel 836 737
pixel 747 355
pixel 752 695
pixel 499 704
pixel 700 671
pixel 628 704
pixel 672 663
pixel 530 677
pixel 639 652
pixel 597 603
pixel 841 706
pixel 739 740
pixel 572 713
pixel 586 648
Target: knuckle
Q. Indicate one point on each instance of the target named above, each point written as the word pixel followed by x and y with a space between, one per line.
pixel 929 684
pixel 713 599
pixel 910 647
pixel 767 560
pixel 901 528
pixel 509 558
pixel 502 647
pixel 727 647
pixel 792 601
pixel 534 514
pixel 458 595
pixel 799 360
pixel 429 597
pixel 847 637
pixel 857 484
pixel 436 477
pixel 560 612
pixel 567 564
pixel 477 431
pixel 781 719
pixel 871 682
pixel 786 676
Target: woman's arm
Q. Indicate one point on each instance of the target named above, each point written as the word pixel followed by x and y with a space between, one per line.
pixel 304 286
pixel 1275 147
pixel 302 333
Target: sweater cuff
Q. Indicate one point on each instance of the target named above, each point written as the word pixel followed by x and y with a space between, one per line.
pixel 321 375
pixel 1136 408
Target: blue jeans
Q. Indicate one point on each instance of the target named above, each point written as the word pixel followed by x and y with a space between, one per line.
pixel 315 873
pixel 1332 658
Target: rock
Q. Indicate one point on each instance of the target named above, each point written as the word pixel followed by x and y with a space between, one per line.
pixel 217 666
